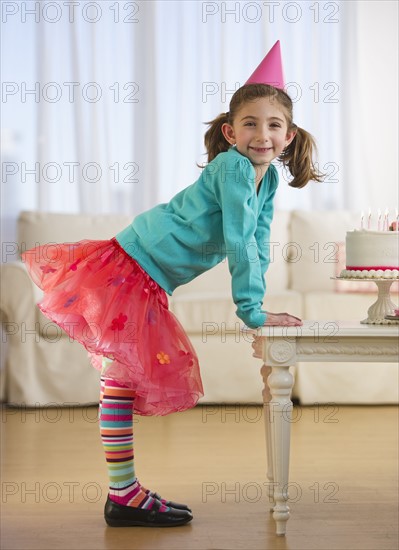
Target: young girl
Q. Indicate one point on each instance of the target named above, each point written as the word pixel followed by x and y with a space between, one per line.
pixel 111 295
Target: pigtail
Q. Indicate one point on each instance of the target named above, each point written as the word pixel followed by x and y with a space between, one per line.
pixel 298 158
pixel 215 142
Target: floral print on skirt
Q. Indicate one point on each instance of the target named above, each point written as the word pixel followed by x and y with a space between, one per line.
pixel 103 298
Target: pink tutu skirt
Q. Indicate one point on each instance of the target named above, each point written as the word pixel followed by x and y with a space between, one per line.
pixel 103 298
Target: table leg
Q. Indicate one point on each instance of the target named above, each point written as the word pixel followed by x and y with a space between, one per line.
pixel 280 382
pixel 266 371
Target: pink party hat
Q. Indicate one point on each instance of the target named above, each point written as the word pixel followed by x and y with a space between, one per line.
pixel 270 70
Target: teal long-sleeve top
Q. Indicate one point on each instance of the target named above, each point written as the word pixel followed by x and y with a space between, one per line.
pixel 220 215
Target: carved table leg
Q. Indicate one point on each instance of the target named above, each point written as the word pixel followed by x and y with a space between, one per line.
pixel 280 382
pixel 266 371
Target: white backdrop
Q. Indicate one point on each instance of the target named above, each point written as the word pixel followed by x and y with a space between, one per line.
pixel 103 103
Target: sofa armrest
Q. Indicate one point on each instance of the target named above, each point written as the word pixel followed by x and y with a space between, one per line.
pixel 39 368
pixel 18 294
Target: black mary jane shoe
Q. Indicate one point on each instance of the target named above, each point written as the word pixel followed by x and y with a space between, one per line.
pixel 172 504
pixel 117 515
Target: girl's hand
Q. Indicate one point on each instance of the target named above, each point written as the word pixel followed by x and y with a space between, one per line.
pixel 282 320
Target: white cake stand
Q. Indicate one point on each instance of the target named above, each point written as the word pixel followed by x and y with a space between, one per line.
pixel 382 311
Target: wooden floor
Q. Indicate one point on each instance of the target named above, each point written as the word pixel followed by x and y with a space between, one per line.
pixel 343 480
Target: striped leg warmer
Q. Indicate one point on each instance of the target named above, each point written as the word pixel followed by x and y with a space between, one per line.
pixel 116 429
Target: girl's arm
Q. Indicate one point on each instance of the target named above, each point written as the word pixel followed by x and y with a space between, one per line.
pixel 263 239
pixel 236 195
pixel 262 233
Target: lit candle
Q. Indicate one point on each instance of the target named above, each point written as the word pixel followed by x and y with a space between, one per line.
pixel 369 220
pixel 379 220
pixel 361 220
pixel 397 219
pixel 386 220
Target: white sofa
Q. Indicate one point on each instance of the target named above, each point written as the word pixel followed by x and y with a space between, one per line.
pixel 44 367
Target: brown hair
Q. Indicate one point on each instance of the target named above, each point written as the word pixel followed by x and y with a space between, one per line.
pixel 297 156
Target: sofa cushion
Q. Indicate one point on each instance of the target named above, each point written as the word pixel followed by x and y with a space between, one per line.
pixel 333 305
pixel 346 383
pixel 289 301
pixel 49 330
pixel 215 281
pixel 211 313
pixel 38 228
pixel 277 273
pixel 313 251
pixel 229 372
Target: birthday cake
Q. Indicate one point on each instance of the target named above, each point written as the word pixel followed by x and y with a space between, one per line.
pixel 372 254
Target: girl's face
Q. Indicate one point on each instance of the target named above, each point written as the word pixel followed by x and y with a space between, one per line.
pixel 259 131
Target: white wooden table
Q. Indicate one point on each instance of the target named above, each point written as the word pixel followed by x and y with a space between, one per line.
pixel 282 347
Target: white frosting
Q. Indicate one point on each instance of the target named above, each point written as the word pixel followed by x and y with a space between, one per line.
pixel 372 248
pixel 370 273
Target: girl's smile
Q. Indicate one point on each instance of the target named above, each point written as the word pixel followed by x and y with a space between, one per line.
pixel 261 149
pixel 260 132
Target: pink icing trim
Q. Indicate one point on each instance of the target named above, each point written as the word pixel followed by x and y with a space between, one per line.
pixel 369 268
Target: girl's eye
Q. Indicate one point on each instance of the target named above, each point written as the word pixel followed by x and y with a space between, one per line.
pixel 250 124
pixel 275 125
